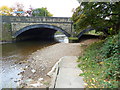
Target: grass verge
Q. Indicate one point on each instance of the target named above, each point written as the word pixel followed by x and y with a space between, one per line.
pixel 101 63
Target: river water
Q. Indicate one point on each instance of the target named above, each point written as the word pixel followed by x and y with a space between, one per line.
pixel 14 56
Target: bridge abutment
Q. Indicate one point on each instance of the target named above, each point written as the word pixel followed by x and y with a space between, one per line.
pixel 6 32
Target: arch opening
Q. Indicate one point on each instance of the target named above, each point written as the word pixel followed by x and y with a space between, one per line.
pixel 38 32
pixel 87 34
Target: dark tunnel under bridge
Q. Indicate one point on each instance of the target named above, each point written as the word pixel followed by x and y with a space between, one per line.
pixel 38 32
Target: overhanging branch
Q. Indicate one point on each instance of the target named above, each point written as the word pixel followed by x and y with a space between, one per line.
pixel 117 14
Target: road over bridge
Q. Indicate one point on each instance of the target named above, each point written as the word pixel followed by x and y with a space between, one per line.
pixel 19 28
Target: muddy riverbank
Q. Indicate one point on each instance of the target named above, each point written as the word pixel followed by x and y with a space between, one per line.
pixel 40 62
pixel 12 60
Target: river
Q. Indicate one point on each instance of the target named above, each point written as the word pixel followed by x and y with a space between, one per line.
pixel 13 56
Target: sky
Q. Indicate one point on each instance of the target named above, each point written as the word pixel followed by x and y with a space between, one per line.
pixel 59 8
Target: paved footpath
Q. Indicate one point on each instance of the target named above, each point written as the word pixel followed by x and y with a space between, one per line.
pixel 67 73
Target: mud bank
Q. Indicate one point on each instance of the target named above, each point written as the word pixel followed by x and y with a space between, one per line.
pixel 41 62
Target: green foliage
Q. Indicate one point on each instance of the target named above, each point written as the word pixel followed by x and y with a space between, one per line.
pixel 73 38
pixel 41 12
pixel 98 15
pixel 58 33
pixel 100 64
pixel 93 32
pixel 7 26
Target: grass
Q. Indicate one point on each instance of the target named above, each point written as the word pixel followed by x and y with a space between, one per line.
pixel 100 64
pixel 73 38
pixel 58 32
pixel 93 32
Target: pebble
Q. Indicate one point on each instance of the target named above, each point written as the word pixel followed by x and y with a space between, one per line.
pixel 37 56
pixel 26 66
pixel 33 70
pixel 38 84
pixel 11 78
pixel 16 81
pixel 40 79
pixel 28 80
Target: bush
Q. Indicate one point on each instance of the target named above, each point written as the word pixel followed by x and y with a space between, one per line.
pixel 100 64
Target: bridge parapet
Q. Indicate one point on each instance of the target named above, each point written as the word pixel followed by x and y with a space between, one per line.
pixel 36 19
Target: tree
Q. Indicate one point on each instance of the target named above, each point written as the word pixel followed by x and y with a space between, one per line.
pixel 29 12
pixel 102 16
pixel 41 12
pixel 5 10
pixel 19 9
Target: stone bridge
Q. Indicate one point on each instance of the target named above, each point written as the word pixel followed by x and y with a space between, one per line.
pixel 30 27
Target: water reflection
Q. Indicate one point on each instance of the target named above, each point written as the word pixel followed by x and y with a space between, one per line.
pixel 61 38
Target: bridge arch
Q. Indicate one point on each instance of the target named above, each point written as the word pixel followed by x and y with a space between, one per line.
pixel 84 31
pixel 40 26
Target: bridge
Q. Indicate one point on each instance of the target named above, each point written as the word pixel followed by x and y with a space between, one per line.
pixel 19 28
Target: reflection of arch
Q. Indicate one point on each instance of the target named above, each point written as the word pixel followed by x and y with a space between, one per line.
pixel 84 31
pixel 41 26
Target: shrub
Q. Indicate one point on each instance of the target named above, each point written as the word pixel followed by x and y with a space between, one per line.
pixel 100 64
